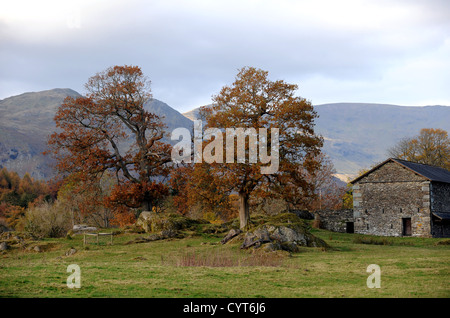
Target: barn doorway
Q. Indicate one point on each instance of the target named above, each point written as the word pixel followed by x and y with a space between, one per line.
pixel 406 227
pixel 350 227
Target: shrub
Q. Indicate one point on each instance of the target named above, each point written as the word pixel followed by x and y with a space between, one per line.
pixel 48 220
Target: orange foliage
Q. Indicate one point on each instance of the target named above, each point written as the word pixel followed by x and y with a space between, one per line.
pixel 16 194
pixel 253 101
pixel 132 195
pixel 95 134
pixel 194 185
pixel 123 217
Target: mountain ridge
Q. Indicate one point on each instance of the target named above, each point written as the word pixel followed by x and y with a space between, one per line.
pixel 356 135
pixel 26 121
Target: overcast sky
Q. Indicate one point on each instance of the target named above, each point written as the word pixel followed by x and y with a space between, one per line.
pixel 393 52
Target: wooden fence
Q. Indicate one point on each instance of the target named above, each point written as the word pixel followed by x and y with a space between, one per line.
pixel 96 235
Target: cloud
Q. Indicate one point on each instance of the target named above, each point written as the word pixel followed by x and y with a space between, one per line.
pixel 373 51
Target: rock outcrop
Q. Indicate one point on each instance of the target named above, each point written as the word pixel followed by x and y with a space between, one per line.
pixel 4 246
pixel 285 231
pixel 167 225
pixel 4 228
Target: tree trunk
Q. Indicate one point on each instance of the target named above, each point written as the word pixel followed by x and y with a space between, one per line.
pixel 244 211
pixel 146 206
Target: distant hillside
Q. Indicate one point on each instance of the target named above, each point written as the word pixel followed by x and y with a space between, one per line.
pixel 358 135
pixel 193 114
pixel 171 117
pixel 26 121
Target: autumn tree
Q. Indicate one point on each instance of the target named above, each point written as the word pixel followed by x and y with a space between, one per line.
pixel 194 187
pixel 17 194
pixel 86 200
pixel 109 129
pixel 431 146
pixel 329 193
pixel 284 126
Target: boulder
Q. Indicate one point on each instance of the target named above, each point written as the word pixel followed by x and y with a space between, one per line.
pixel 256 238
pixel 285 231
pixel 4 228
pixel 4 246
pixel 231 234
pixel 167 224
pixel 150 238
pixel 290 247
pixel 287 234
pixel 263 234
pixel 71 251
pixel 250 239
pixel 81 228
pixel 271 247
pixel 144 220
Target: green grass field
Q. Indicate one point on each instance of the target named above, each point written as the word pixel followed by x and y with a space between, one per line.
pixel 199 267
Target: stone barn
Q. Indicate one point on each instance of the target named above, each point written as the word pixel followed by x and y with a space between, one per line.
pixel 402 198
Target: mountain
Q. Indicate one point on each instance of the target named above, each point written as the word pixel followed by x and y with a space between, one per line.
pixel 358 135
pixel 26 121
pixel 194 114
pixel 170 116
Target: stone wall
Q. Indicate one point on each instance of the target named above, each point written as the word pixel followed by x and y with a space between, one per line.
pixel 394 201
pixel 335 221
pixel 387 196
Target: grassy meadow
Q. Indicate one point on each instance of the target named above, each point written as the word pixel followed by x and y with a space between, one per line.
pixel 200 266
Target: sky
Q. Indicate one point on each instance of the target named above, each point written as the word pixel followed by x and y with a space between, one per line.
pixel 369 51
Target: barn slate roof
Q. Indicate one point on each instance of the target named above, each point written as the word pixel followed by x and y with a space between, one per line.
pixel 445 216
pixel 432 173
